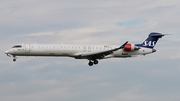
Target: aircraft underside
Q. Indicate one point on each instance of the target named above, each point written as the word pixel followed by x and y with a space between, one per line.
pixel 93 60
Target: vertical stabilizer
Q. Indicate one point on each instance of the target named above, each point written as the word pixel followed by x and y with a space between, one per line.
pixel 151 41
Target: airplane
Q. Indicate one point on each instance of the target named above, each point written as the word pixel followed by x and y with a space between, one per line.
pixel 93 53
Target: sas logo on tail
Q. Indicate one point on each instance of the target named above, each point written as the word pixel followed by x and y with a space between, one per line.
pixel 149 43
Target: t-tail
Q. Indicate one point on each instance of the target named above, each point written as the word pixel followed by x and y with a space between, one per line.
pixel 151 41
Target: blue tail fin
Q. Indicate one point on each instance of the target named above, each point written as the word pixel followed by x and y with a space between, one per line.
pixel 151 41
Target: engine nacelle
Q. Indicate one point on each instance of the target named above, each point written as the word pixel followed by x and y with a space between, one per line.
pixel 130 47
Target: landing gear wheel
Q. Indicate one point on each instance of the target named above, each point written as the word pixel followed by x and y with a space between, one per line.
pixel 14 60
pixel 95 62
pixel 90 63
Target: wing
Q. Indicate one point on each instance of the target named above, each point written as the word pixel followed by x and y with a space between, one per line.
pixel 102 54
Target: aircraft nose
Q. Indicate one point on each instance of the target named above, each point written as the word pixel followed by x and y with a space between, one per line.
pixel 6 52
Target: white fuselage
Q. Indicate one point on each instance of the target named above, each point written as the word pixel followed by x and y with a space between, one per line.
pixel 93 53
pixel 74 51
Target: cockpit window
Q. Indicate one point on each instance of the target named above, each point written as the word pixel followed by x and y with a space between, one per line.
pixel 17 46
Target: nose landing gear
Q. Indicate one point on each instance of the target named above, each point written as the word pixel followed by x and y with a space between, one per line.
pixel 14 58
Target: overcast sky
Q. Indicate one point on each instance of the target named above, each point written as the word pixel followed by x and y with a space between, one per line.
pixel 154 77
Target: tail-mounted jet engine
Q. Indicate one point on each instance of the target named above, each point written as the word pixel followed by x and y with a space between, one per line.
pixel 130 47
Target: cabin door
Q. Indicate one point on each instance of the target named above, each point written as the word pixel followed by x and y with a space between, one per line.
pixel 27 48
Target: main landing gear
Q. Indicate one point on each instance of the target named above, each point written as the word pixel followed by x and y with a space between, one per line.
pixel 14 58
pixel 91 62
